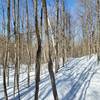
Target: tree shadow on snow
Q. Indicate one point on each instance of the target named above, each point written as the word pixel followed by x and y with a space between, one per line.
pixel 78 84
pixel 25 90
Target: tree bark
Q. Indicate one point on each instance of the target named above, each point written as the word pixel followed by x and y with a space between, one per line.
pixel 38 55
pixel 50 64
pixel 57 34
pixel 17 46
pixel 98 30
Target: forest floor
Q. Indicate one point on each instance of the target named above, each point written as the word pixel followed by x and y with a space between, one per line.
pixel 79 79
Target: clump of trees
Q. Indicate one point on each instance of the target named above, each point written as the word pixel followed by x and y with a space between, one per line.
pixel 45 33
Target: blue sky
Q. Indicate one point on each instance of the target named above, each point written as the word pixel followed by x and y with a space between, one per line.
pixel 70 4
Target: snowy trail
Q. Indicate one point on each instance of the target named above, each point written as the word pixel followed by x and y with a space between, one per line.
pixel 77 80
pixel 81 80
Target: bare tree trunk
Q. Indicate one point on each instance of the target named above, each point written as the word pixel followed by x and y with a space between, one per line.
pixel 4 73
pixel 98 30
pixel 4 57
pixel 8 39
pixel 63 33
pixel 17 45
pixel 57 34
pixel 38 55
pixel 41 19
pixel 29 45
pixel 50 64
pixel 4 83
pixel 8 65
pixel 6 51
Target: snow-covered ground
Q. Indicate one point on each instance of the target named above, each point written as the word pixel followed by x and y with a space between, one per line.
pixel 79 79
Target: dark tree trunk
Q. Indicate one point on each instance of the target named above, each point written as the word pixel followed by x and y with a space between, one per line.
pixel 63 33
pixel 4 74
pixel 38 55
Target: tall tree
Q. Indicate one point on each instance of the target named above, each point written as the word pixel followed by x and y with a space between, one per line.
pixel 98 28
pixel 17 44
pixel 38 54
pixel 63 31
pixel 6 51
pixel 50 64
pixel 56 35
pixel 28 43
